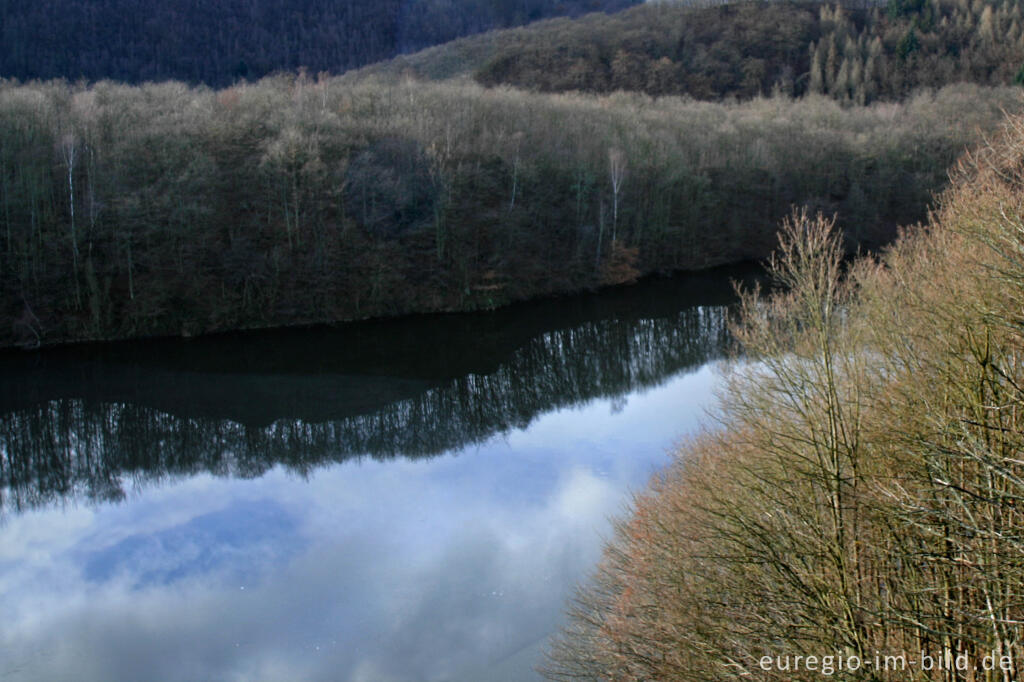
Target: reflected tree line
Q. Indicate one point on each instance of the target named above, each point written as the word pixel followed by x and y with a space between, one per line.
pixel 90 428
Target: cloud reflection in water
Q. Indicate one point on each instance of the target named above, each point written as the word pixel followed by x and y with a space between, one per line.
pixel 398 500
pixel 452 568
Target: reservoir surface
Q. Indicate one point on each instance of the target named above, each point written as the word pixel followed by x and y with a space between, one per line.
pixel 409 499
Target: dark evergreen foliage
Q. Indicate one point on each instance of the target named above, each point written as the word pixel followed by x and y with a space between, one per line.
pixel 219 42
pixel 850 51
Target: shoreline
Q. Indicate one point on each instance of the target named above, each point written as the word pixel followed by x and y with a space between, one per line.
pixel 742 268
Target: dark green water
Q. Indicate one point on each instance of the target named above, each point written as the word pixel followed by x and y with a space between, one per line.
pixel 395 500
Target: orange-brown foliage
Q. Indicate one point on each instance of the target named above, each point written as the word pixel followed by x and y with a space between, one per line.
pixel 861 494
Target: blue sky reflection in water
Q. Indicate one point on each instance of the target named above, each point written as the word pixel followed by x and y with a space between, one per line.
pixel 450 567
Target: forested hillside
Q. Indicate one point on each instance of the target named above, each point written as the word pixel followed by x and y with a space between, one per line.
pixel 747 49
pixel 162 209
pixel 132 211
pixel 217 43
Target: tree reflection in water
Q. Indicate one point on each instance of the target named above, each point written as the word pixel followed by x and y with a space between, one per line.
pixel 86 424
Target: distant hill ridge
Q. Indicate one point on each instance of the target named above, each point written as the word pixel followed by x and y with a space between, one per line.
pixel 218 43
pixel 860 52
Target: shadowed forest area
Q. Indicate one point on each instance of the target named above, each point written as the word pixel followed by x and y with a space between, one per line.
pixel 859 493
pixel 131 211
pixel 219 43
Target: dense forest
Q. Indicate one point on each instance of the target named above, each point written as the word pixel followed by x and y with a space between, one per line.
pixel 857 502
pixel 164 210
pixel 168 209
pixel 858 52
pixel 218 43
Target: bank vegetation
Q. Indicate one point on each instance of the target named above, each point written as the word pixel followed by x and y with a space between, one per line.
pixel 861 493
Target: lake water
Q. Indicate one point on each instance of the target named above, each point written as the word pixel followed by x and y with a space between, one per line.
pixel 407 499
